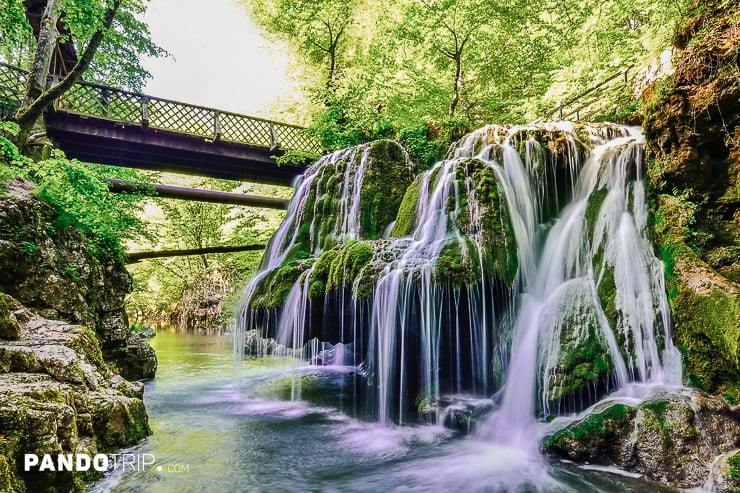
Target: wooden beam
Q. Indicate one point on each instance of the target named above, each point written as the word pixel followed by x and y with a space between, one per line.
pixel 133 257
pixel 197 195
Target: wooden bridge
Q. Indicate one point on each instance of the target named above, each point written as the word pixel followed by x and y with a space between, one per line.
pixel 106 125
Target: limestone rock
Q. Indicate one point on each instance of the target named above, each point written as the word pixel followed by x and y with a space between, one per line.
pixel 57 395
pixel 9 328
pixel 671 438
pixel 52 272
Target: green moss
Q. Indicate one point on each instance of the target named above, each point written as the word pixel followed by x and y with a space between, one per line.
pixel 457 265
pixel 584 359
pixel 407 211
pixel 497 234
pixel 733 473
pixel 10 482
pixel 708 330
pixel 339 267
pixel 594 427
pixel 607 290
pixel 274 288
pixel 595 202
pixel 387 177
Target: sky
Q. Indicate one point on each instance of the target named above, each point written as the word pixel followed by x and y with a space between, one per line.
pixel 218 57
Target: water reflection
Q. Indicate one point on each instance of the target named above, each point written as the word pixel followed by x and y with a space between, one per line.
pixel 233 429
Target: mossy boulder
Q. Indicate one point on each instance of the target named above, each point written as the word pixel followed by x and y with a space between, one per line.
pixel 670 438
pixel 583 368
pixel 9 328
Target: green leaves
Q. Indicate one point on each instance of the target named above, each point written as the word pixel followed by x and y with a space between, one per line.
pixel 116 62
pixel 82 201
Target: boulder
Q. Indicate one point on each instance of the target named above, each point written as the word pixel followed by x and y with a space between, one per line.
pixel 673 437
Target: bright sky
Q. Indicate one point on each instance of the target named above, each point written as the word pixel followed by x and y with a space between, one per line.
pixel 218 57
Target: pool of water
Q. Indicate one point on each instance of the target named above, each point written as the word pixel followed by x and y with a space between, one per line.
pixel 225 427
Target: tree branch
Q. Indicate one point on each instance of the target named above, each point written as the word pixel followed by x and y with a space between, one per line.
pixel 28 115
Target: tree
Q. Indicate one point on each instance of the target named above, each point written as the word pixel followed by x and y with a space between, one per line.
pixel 317 27
pixel 184 290
pixel 450 28
pixel 111 24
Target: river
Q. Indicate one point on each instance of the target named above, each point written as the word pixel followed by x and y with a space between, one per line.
pixel 225 427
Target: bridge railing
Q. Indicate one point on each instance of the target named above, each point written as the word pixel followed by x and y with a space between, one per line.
pixel 12 88
pixel 89 99
pixel 586 104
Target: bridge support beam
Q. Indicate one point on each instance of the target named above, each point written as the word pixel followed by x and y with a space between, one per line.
pixel 197 195
pixel 133 257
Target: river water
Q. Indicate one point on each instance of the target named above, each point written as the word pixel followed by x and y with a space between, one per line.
pixel 225 427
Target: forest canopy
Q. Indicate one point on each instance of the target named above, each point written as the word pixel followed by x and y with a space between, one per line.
pixel 368 66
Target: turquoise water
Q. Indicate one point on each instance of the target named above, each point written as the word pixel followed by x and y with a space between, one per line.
pixel 220 427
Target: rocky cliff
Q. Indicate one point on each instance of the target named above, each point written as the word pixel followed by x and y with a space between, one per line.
pixel 54 273
pixel 65 348
pixel 692 124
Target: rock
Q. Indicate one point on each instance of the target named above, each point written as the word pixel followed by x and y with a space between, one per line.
pixel 147 333
pixel 692 127
pixel 9 328
pixel 456 412
pixel 135 361
pixel 54 273
pixel 671 438
pixel 57 395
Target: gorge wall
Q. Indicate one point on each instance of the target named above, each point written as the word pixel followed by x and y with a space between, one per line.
pixel 65 348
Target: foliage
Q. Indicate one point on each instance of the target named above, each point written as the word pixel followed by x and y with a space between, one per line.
pixel 403 65
pixel 117 61
pixel 80 198
pixel 296 158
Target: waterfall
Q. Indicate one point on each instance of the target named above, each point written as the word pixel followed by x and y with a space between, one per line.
pixel 575 262
pixel 520 266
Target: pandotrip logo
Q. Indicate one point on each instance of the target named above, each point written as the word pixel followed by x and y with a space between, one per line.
pixel 98 462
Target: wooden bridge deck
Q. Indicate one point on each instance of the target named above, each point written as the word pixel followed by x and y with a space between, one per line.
pixel 105 125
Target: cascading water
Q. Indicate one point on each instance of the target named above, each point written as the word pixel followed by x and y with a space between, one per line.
pixel 523 256
pixel 581 255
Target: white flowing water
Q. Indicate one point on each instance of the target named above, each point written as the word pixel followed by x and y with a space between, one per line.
pixel 579 224
pixel 566 277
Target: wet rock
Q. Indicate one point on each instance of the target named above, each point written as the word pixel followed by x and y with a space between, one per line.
pixel 672 437
pixel 456 412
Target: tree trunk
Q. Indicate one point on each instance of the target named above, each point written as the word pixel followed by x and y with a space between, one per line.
pixel 47 41
pixel 458 83
pixel 37 99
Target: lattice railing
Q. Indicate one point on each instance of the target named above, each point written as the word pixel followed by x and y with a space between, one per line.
pixel 12 88
pixel 129 107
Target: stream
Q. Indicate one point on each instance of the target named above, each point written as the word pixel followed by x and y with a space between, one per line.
pixel 225 427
